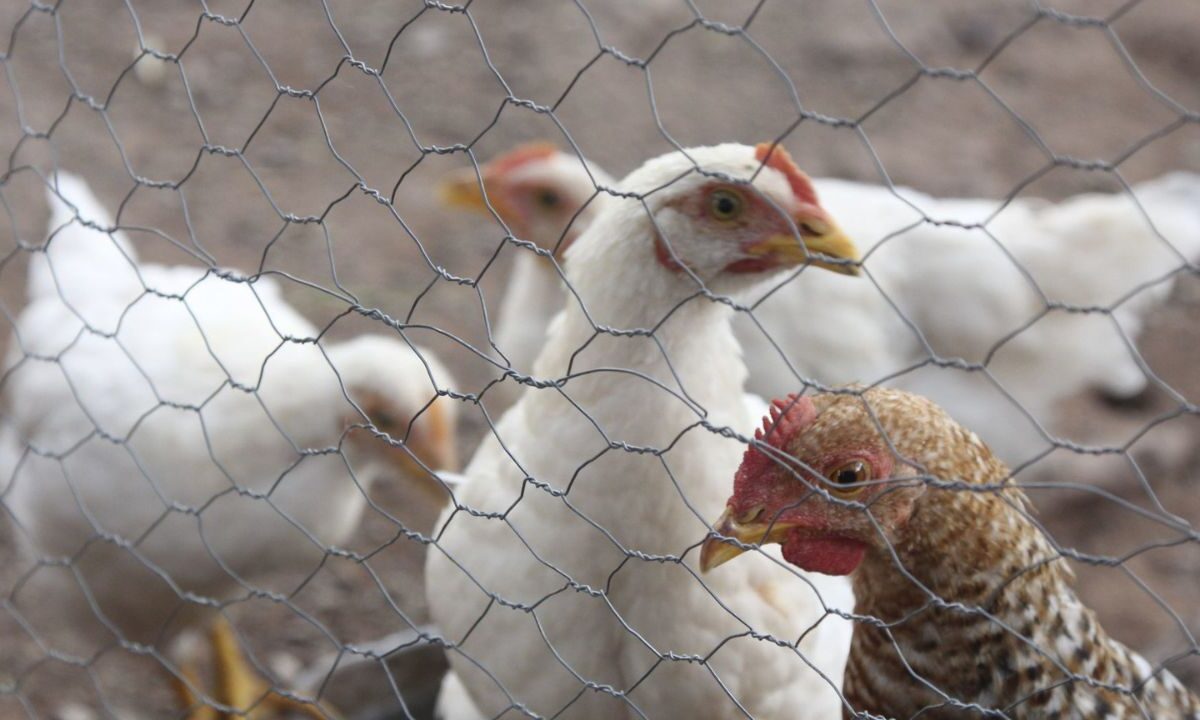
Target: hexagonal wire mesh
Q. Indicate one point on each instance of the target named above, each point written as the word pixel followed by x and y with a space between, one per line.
pixel 257 456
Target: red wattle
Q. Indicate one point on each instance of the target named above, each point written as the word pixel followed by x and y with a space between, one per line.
pixel 830 555
pixel 752 265
pixel 663 255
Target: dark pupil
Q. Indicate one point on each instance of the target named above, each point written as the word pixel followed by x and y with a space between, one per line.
pixel 726 205
pixel 847 476
pixel 383 421
pixel 548 198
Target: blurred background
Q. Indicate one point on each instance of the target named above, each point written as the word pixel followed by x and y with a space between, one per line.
pixel 626 81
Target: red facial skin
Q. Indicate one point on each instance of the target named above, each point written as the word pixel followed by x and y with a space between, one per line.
pixel 761 219
pixel 522 197
pixel 826 555
pixel 829 537
pixel 778 158
pixel 521 155
pixel 753 265
pixel 517 201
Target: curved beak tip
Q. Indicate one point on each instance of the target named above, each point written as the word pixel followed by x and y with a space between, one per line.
pixel 717 551
pixel 829 249
pixel 839 248
pixel 436 451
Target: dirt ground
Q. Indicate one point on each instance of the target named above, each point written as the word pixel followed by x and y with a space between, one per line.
pixel 1060 84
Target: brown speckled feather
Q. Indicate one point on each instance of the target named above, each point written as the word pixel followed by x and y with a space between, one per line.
pixel 977 607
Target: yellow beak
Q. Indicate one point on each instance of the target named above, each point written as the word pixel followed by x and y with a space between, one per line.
pixel 717 551
pixel 461 189
pixel 825 239
pixel 434 444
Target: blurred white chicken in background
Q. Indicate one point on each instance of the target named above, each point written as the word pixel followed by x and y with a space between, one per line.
pixel 191 438
pixel 1011 297
pixel 974 294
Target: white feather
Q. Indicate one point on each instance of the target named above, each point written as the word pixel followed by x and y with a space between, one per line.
pixel 174 447
pixel 534 292
pixel 585 610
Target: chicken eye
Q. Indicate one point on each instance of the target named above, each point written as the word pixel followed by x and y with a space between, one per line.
pixel 848 480
pixel 547 199
pixel 385 421
pixel 725 205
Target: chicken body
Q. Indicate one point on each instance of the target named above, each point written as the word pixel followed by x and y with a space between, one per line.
pixel 970 288
pixel 976 605
pixel 568 589
pixel 180 450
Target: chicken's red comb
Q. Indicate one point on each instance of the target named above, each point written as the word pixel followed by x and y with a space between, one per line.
pixel 522 154
pixel 788 417
pixel 776 157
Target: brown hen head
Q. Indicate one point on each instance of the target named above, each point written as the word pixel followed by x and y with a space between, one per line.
pixel 833 476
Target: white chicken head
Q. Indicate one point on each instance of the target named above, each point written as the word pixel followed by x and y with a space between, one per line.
pixel 544 195
pixel 724 215
pixel 396 386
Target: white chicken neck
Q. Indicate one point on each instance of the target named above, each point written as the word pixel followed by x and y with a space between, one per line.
pixel 620 296
pixel 667 361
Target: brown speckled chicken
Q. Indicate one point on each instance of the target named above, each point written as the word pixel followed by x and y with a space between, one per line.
pixel 978 615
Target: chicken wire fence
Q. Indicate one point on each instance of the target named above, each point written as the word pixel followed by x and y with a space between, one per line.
pixel 249 345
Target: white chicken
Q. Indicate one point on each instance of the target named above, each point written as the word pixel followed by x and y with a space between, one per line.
pixel 974 294
pixel 173 434
pixel 564 576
